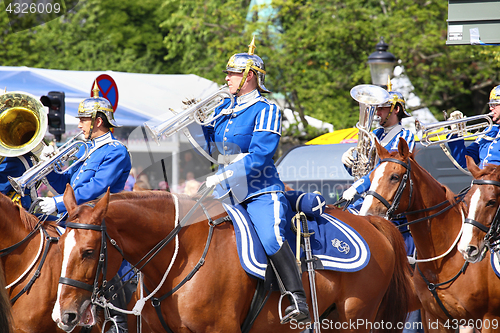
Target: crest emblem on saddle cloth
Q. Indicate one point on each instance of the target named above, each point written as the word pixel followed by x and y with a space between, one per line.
pixel 341 246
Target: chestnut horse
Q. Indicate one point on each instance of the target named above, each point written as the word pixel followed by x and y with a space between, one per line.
pixel 481 227
pixel 451 292
pixel 29 249
pixel 24 245
pixel 5 309
pixel 217 297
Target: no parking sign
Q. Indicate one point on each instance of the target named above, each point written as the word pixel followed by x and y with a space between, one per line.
pixel 107 89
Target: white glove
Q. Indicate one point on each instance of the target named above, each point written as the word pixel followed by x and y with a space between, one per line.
pixel 215 180
pixel 455 115
pixel 212 181
pixel 349 193
pixel 48 205
pixel 348 158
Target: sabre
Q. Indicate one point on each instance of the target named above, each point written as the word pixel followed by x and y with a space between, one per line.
pixel 311 271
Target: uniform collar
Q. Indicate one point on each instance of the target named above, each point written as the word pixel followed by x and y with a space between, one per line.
pixel 388 129
pixel 247 97
pixel 101 140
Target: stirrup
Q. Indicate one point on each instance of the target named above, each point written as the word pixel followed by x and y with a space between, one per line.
pixel 291 314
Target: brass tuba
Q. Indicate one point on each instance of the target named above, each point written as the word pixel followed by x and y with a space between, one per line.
pixel 23 123
pixel 368 96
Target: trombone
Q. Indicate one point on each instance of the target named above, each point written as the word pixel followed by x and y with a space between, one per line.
pixel 431 134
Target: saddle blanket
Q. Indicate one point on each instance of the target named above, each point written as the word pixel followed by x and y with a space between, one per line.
pixel 495 264
pixel 338 246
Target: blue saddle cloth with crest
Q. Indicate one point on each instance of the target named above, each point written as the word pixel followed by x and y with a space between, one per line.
pixel 338 246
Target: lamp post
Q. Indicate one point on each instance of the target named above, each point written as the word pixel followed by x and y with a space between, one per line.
pixel 381 63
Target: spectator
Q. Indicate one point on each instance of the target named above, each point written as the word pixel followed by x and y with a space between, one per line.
pixel 191 185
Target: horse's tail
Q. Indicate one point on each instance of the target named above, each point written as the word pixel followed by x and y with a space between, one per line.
pixel 5 309
pixel 395 304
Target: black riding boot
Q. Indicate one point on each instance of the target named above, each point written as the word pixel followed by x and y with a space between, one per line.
pixel 287 272
pixel 120 301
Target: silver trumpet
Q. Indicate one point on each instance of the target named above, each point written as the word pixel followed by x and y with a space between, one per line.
pixel 65 154
pixel 201 113
pixel 436 133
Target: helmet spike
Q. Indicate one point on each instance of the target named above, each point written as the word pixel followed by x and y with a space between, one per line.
pixel 389 85
pixel 95 90
pixel 251 47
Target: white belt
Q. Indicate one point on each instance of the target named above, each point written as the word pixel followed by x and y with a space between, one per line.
pixel 229 159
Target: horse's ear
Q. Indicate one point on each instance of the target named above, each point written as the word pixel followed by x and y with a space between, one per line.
pixel 381 151
pixel 471 166
pixel 403 149
pixel 69 199
pixel 101 207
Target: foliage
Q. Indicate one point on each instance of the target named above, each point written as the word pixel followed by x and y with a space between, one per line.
pixel 315 51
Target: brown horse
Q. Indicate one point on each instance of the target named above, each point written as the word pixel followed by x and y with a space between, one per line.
pixel 452 293
pixel 5 309
pixel 23 244
pixel 217 298
pixel 481 225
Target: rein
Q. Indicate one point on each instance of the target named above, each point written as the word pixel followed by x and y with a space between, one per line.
pixel 44 243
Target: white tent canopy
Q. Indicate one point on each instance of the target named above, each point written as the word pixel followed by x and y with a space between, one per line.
pixel 142 97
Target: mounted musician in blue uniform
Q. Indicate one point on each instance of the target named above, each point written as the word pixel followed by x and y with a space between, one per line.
pixel 106 165
pixel 486 148
pixel 247 136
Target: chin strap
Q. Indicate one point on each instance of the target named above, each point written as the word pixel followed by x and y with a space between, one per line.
pixel 245 74
pixel 388 115
pixel 92 122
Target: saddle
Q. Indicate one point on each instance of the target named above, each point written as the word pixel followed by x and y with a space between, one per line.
pixel 335 244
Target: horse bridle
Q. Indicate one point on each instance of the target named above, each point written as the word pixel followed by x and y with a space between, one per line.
pixel 399 192
pixel 101 266
pixel 492 236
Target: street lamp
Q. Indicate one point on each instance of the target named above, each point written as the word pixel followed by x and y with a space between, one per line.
pixel 381 63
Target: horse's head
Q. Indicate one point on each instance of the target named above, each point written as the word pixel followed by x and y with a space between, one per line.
pixel 81 247
pixel 390 186
pixel 481 227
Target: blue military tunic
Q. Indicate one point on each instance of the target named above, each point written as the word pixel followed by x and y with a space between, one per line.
pixel 108 165
pixel 15 167
pixel 484 150
pixel 247 137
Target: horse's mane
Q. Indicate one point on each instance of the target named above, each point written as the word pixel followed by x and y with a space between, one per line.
pixel 450 196
pixel 29 221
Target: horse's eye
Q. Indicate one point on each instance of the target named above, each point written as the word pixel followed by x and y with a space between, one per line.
pixel 88 254
pixel 491 203
pixel 394 177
